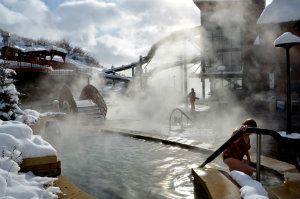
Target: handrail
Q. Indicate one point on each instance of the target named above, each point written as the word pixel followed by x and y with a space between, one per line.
pixel 277 136
pixel 182 113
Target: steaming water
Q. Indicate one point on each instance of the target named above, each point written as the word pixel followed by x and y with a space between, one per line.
pixel 113 166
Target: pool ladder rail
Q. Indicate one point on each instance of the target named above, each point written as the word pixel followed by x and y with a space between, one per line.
pixel 183 121
pixel 292 146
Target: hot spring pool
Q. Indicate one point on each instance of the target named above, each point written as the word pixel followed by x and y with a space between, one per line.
pixel 113 166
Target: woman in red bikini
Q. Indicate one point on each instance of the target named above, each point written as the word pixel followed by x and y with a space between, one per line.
pixel 234 154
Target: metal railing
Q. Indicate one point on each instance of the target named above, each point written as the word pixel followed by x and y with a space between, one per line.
pixel 286 142
pixel 178 120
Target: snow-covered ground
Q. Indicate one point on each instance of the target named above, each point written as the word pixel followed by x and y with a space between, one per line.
pixel 17 142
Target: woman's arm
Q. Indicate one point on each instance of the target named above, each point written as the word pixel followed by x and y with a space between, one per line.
pixel 248 158
pixel 243 128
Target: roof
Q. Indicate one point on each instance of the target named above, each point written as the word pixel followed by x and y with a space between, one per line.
pixel 280 11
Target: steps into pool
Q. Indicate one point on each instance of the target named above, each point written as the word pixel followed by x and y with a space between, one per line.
pixel 88 110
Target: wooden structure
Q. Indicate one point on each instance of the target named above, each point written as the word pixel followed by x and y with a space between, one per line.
pixel 33 59
pixel 90 105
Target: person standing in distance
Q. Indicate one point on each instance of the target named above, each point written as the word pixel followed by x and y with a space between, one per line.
pixel 193 98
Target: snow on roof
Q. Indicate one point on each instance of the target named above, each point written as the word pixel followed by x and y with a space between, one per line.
pixel 280 11
pixel 18 134
pixel 56 49
pixel 24 48
pixel 286 38
pixel 34 48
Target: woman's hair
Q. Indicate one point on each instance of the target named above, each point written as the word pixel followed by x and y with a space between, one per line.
pixel 250 122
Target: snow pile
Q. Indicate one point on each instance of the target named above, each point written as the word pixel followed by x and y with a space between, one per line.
pixel 291 136
pixel 280 11
pixel 251 189
pixel 29 117
pixel 14 185
pixel 18 134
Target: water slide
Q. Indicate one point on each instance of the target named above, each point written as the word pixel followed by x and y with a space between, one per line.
pixel 186 34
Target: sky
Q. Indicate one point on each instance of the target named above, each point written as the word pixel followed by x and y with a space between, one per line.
pixel 115 32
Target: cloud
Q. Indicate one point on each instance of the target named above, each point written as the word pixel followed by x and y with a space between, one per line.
pixel 77 15
pixel 28 18
pixel 115 32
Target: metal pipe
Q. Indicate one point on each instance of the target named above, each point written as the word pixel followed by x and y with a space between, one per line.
pixel 132 71
pixel 258 156
pixel 185 77
pixel 141 72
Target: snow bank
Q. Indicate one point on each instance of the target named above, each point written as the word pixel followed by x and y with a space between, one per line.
pixel 292 135
pixel 29 117
pixel 15 185
pixel 251 189
pixel 17 134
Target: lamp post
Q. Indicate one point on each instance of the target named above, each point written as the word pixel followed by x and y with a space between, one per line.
pixel 287 40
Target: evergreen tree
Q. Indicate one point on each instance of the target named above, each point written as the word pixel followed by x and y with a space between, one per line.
pixel 9 96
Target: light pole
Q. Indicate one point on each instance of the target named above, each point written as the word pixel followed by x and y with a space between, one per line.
pixel 287 40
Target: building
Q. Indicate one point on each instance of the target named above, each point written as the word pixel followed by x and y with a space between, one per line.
pixel 42 70
pixel 230 30
pixel 238 49
pixel 277 18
